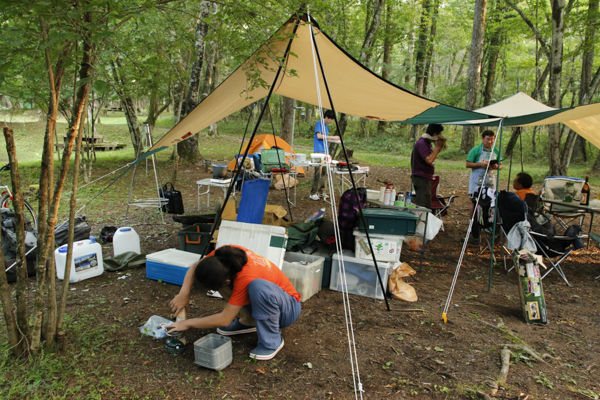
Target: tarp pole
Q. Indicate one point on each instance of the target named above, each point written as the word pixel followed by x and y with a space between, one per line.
pixel 262 112
pixel 360 211
pixel 495 208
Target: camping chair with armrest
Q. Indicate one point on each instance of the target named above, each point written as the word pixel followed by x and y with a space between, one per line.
pixel 511 211
pixel 484 220
pixel 554 189
pixel 439 204
pixel 553 247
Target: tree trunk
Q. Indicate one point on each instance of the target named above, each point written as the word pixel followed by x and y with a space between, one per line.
pixel 430 45
pixel 45 238
pixel 287 122
pixel 188 149
pixel 388 49
pixel 558 9
pixel 496 38
pixel 468 137
pixel 421 47
pixel 128 105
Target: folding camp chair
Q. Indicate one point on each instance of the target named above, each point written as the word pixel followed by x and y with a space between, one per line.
pixel 554 189
pixel 554 247
pixel 439 204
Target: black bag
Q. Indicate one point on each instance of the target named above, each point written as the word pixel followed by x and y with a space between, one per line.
pixel 9 234
pixel 175 205
pixel 81 232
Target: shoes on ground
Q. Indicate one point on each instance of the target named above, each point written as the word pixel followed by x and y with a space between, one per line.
pixel 323 196
pixel 314 197
pixel 263 354
pixel 236 328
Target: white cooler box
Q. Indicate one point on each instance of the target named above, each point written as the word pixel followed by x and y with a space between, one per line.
pixel 361 277
pixel 385 247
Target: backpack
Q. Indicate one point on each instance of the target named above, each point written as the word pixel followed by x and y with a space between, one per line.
pixel 81 231
pixel 9 234
pixel 348 214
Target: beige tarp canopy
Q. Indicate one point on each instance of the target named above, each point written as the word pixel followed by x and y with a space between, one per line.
pixel 522 110
pixel 355 90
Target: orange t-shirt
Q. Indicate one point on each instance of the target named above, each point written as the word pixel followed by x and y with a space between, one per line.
pixel 523 192
pixel 257 267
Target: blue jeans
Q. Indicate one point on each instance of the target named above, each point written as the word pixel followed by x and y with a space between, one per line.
pixel 272 309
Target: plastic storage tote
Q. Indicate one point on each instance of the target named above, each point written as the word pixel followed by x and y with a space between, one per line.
pixel 195 238
pixel 389 222
pixel 385 247
pixel 265 240
pixel 126 239
pixel 305 272
pixel 361 277
pixel 169 265
pixel 86 261
pixel 213 351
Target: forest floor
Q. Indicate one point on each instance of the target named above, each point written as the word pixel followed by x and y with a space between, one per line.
pixel 406 352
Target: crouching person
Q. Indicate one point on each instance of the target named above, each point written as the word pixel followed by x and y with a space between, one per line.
pixel 253 287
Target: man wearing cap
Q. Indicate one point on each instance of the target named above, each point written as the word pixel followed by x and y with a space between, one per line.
pixel 422 160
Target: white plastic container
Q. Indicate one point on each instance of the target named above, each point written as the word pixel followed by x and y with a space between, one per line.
pixel 317 157
pixel 126 239
pixel 385 247
pixel 300 157
pixel 86 262
pixel 213 351
pixel 265 240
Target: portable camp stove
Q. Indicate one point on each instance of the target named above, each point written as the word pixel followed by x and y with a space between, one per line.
pixel 175 343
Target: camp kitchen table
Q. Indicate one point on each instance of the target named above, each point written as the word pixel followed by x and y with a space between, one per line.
pixel 360 176
pixel 413 208
pixel 577 208
pixel 208 183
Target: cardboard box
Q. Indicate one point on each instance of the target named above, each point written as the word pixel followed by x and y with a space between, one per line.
pixel 230 212
pixel 274 215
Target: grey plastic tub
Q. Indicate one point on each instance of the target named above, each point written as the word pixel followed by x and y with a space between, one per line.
pixel 213 351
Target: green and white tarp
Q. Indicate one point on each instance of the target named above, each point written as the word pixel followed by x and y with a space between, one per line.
pixel 522 110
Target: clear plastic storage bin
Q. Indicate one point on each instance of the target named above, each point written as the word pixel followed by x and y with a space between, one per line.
pixel 305 272
pixel 213 351
pixel 361 277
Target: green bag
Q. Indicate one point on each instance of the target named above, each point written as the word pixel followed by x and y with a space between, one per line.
pixel 123 261
pixel 302 235
pixel 530 287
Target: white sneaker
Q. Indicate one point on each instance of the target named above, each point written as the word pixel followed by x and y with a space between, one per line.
pixel 323 196
pixel 314 197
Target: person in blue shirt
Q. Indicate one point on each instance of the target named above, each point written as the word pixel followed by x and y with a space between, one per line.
pixel 320 143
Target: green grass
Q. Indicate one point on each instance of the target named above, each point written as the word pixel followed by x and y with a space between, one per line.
pixel 52 375
pixel 392 149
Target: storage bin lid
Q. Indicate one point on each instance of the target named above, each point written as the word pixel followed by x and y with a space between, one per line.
pixel 387 213
pixel 174 257
pixel 354 260
pixel 393 238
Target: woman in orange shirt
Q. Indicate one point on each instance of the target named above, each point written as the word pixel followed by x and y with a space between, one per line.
pixel 250 283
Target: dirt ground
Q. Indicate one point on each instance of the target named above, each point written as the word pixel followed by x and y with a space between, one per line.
pixel 407 352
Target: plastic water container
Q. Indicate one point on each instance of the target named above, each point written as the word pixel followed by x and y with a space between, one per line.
pixel 86 263
pixel 126 239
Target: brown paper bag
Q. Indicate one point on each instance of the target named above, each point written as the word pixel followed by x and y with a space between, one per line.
pixel 400 289
pixel 277 181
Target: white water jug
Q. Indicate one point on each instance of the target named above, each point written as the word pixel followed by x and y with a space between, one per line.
pixel 126 239
pixel 86 261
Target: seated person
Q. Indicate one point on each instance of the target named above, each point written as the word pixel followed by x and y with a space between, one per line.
pixel 522 185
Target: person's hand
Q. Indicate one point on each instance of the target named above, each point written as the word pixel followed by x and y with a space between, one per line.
pixel 440 143
pixel 179 302
pixel 177 326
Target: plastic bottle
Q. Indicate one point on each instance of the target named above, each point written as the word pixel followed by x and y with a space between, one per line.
pixel 126 239
pixel 381 193
pixel 585 192
pixel 408 198
pixel 387 195
pixel 392 197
